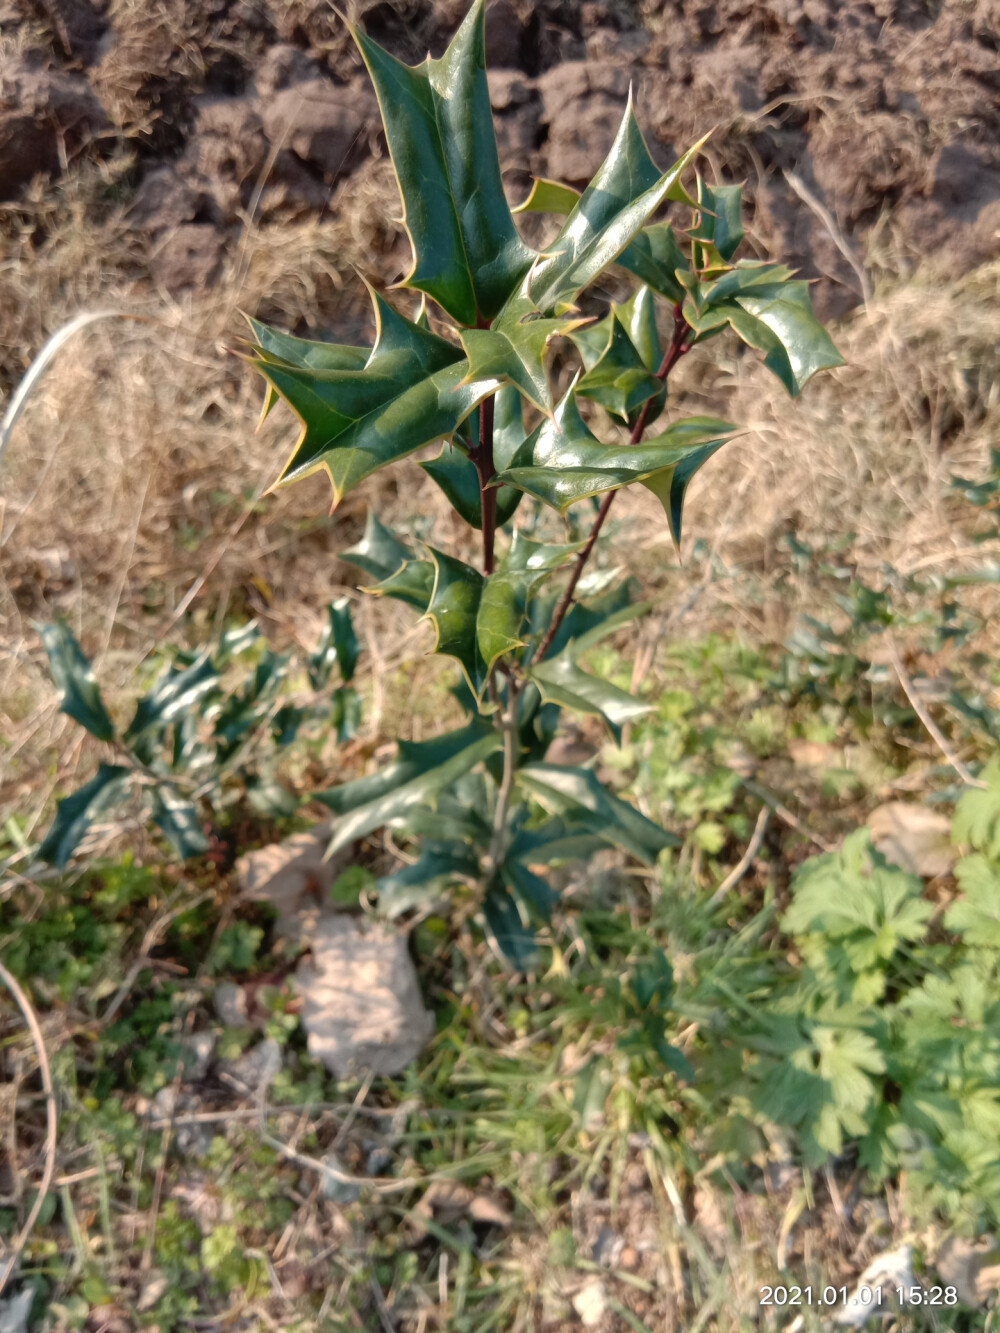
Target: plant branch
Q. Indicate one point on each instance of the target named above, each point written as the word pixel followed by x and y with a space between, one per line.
pixel 678 346
pixel 510 749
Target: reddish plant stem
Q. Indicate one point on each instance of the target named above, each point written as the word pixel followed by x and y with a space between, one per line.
pixel 678 346
pixel 483 459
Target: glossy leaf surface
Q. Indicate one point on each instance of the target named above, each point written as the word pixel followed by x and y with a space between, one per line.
pixel 569 463
pixel 177 819
pixel 80 695
pixel 397 803
pixel 512 936
pixel 721 218
pixel 655 257
pixel 478 620
pixel 615 206
pixel 76 814
pixel 774 316
pixel 467 253
pixel 577 794
pixel 411 392
pixel 619 379
pixel 457 476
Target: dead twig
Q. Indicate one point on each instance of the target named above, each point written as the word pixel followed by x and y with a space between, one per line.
pixel 930 726
pixel 747 859
pixel 51 1136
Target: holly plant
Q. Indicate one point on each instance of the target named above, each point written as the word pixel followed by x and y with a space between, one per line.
pixel 480 805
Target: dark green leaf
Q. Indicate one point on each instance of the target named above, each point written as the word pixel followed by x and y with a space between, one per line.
pixel 577 794
pixel 172 696
pixel 619 380
pixel 178 820
pixel 339 644
pixel 514 939
pixel 655 257
pixel 346 715
pixel 304 353
pixel 412 391
pixel 438 121
pixel 379 552
pixel 412 584
pixel 393 800
pixel 721 218
pixel 414 758
pixel 569 463
pixel 453 608
pixel 457 475
pixel 80 696
pixel 563 682
pixel 75 814
pixel 534 892
pixel 439 864
pixel 776 317
pixel 556 839
pixel 513 350
pixel 626 190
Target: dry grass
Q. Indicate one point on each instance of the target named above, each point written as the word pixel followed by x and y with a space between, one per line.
pixel 130 502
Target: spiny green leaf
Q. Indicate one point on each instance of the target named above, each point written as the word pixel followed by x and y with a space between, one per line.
pixel 478 620
pixel 80 695
pixel 414 758
pixel 345 712
pixel 467 254
pixel 412 584
pixel 458 476
pixel 177 818
pixel 453 608
pixel 173 695
pixel 619 379
pixel 513 350
pixel 569 463
pixel 399 801
pixel 75 814
pixel 305 353
pixel 411 392
pixel 721 218
pixel 776 317
pixel 548 196
pixel 578 795
pixel 626 190
pixel 556 839
pixel 562 681
pixel 439 863
pixel 534 892
pixel 655 257
pixel 338 645
pixel 514 939
pixel 379 552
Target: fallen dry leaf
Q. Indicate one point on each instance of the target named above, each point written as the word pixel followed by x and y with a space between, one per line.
pixel 361 1002
pixel 914 838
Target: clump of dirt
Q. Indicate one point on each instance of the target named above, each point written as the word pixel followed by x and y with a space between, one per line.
pixel 846 118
